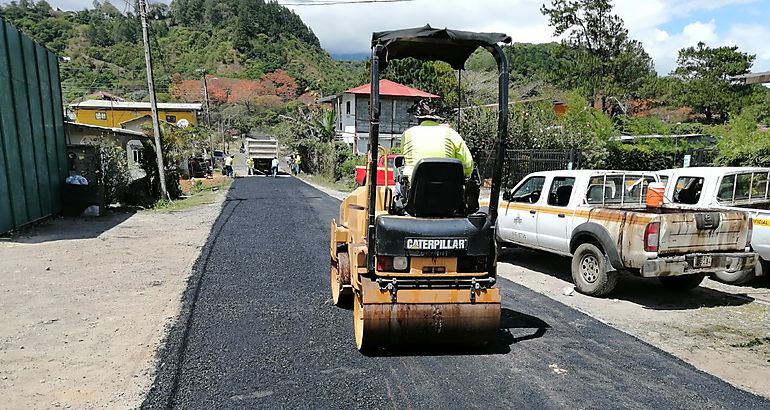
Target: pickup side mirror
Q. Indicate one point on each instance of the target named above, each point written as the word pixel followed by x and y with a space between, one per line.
pixel 399 161
pixel 506 195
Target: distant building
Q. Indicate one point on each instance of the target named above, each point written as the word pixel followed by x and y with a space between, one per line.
pixel 352 112
pixel 113 114
pixel 131 141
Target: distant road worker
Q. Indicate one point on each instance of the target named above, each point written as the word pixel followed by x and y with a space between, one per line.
pixel 297 162
pixel 229 166
pixel 274 166
pixel 250 165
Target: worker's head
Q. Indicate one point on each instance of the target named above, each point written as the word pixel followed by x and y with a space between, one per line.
pixel 424 110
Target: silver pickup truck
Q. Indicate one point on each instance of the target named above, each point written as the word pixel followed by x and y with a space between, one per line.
pixel 600 219
pixel 726 188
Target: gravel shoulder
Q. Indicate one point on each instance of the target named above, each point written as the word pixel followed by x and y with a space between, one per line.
pixel 86 303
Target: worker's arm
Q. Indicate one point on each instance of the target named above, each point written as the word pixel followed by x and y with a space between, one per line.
pixel 463 154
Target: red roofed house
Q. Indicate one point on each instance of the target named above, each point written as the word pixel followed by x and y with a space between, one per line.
pixel 352 111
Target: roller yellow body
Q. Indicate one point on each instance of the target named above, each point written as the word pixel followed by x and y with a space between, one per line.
pixel 427 271
pixel 424 314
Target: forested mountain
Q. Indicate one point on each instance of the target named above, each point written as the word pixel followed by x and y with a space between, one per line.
pixel 229 38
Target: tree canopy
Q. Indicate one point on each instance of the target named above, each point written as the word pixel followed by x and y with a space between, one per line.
pixel 599 56
pixel 705 74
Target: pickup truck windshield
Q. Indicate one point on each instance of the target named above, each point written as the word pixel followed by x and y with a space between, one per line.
pixel 744 187
pixel 618 189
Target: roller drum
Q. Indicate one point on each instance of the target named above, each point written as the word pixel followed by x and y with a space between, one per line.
pixel 449 323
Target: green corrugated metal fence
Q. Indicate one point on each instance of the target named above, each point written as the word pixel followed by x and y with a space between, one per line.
pixel 32 141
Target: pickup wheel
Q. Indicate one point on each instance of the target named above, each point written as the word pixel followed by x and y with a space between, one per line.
pixel 590 271
pixel 683 282
pixel 736 278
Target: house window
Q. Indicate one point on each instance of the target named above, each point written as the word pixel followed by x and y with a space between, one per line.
pixel 171 118
pixel 347 108
pixel 137 155
pixel 101 115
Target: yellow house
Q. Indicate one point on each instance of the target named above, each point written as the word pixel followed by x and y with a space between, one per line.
pixel 118 114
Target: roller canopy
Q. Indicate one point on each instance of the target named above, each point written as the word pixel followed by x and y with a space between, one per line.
pixel 427 43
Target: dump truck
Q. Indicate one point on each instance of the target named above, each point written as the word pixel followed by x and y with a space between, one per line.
pixel 261 151
pixel 425 274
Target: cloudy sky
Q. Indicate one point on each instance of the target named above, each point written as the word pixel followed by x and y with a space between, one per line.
pixel 663 26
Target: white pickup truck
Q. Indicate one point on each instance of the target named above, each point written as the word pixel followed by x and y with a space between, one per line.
pixel 726 188
pixel 600 219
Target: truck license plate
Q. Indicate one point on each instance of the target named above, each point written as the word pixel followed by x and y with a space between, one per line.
pixel 703 261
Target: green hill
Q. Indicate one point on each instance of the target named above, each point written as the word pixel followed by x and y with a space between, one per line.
pixel 228 38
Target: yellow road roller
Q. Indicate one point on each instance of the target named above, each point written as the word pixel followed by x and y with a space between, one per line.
pixel 422 272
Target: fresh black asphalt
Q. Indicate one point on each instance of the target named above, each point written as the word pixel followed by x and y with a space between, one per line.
pixel 257 330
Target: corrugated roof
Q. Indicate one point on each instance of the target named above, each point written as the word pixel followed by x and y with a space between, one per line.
pixel 392 89
pixel 111 129
pixel 127 105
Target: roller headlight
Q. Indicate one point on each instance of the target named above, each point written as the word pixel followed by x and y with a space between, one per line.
pixel 400 263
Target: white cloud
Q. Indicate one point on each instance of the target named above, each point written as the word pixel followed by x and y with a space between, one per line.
pixel 751 38
pixel 645 19
pixel 348 28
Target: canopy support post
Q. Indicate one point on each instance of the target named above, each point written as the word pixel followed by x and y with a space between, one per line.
pixel 374 142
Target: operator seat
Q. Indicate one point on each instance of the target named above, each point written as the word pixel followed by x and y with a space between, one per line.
pixel 563 194
pixel 436 188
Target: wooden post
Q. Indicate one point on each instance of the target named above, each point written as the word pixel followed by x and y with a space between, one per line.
pixel 153 102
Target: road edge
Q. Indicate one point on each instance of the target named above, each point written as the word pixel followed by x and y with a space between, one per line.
pixel 170 352
pixel 338 195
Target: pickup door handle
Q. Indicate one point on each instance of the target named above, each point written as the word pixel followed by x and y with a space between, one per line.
pixel 532 211
pixel 560 215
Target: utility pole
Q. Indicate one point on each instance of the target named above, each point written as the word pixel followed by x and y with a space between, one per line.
pixel 208 112
pixel 153 102
pixel 206 98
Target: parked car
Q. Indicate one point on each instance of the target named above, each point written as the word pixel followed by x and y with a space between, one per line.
pixel 726 188
pixel 600 219
pixel 361 171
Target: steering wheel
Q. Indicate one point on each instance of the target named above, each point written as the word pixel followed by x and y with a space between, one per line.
pixel 534 196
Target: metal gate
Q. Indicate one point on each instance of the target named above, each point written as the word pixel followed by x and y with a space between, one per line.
pixel 32 140
pixel 520 162
pixel 702 157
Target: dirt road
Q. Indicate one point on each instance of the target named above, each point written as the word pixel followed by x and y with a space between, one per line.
pixel 85 303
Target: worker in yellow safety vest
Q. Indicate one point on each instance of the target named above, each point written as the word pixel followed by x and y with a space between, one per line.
pixel 429 139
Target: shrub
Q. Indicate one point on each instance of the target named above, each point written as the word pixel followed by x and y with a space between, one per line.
pixel 348 167
pixel 741 142
pixel 115 176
